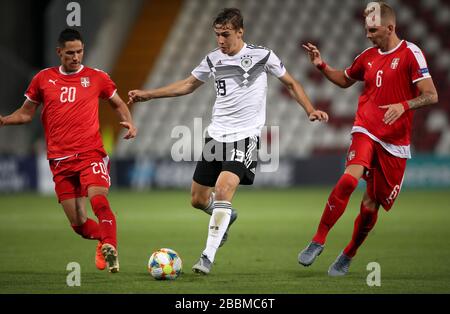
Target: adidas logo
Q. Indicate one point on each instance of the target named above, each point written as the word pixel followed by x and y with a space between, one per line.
pixel 219 63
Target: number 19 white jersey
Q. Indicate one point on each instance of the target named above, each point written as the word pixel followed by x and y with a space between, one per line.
pixel 241 88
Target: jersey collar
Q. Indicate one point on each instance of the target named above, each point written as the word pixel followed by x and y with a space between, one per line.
pixel 392 50
pixel 72 73
pixel 238 53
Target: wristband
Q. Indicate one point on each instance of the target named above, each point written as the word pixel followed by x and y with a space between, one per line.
pixel 405 105
pixel 322 66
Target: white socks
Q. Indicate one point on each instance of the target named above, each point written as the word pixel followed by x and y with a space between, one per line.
pixel 218 224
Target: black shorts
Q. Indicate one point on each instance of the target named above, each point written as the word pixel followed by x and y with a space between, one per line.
pixel 238 157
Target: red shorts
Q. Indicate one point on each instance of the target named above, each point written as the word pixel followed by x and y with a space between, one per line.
pixel 385 172
pixel 73 175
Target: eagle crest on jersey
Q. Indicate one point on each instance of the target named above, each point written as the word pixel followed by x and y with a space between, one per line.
pixel 246 61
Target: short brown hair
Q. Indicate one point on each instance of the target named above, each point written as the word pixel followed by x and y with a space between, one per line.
pixel 230 15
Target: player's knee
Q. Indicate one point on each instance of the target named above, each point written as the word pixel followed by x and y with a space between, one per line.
pixel 199 201
pixel 224 192
pixel 94 191
pixel 369 206
pixel 346 185
pixel 196 203
pixel 77 226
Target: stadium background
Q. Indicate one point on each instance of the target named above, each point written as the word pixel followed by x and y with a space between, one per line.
pixel 145 44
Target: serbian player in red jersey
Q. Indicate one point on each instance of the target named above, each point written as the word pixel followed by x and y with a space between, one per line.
pixel 69 97
pixel 396 82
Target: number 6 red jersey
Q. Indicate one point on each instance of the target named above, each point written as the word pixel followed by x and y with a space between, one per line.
pixel 70 108
pixel 389 78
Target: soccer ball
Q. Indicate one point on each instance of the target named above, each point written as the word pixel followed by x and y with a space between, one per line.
pixel 165 264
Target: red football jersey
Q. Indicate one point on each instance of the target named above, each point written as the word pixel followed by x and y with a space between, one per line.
pixel 70 108
pixel 389 78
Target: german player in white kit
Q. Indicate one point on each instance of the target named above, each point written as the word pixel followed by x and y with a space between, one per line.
pixel 229 155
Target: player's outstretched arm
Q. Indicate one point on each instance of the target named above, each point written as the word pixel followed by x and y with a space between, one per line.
pixel 124 115
pixel 296 90
pixel 179 88
pixel 428 96
pixel 22 115
pixel 336 76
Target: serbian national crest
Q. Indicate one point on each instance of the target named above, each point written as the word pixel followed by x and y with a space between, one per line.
pixel 394 63
pixel 246 61
pixel 351 155
pixel 85 81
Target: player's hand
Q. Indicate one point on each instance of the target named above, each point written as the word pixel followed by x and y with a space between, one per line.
pixel 314 53
pixel 393 112
pixel 318 115
pixel 132 131
pixel 137 95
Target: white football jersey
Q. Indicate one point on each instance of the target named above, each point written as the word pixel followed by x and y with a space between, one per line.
pixel 241 88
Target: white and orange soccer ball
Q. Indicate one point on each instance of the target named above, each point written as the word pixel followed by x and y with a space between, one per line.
pixel 165 264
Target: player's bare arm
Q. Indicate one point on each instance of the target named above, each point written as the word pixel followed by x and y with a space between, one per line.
pixel 22 115
pixel 124 115
pixel 179 88
pixel 297 91
pixel 338 77
pixel 428 96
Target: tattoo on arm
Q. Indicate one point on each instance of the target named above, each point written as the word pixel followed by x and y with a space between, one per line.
pixel 421 101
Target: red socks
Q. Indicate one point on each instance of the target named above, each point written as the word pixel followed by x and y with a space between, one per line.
pixel 363 224
pixel 89 230
pixel 336 204
pixel 106 219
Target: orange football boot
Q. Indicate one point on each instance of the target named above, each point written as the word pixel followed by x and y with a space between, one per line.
pixel 100 261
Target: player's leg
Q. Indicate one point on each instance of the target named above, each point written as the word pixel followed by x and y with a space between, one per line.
pixel 68 190
pixel 95 181
pixel 225 188
pixel 358 159
pixel 86 227
pixel 384 181
pixel 337 201
pixel 364 223
pixel 232 164
pixel 75 211
pixel 107 225
pixel 334 208
pixel 205 176
pixel 203 197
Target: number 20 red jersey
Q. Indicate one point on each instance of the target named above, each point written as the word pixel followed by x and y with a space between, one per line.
pixel 70 108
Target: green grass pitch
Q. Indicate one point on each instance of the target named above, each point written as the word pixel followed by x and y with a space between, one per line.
pixel 411 244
